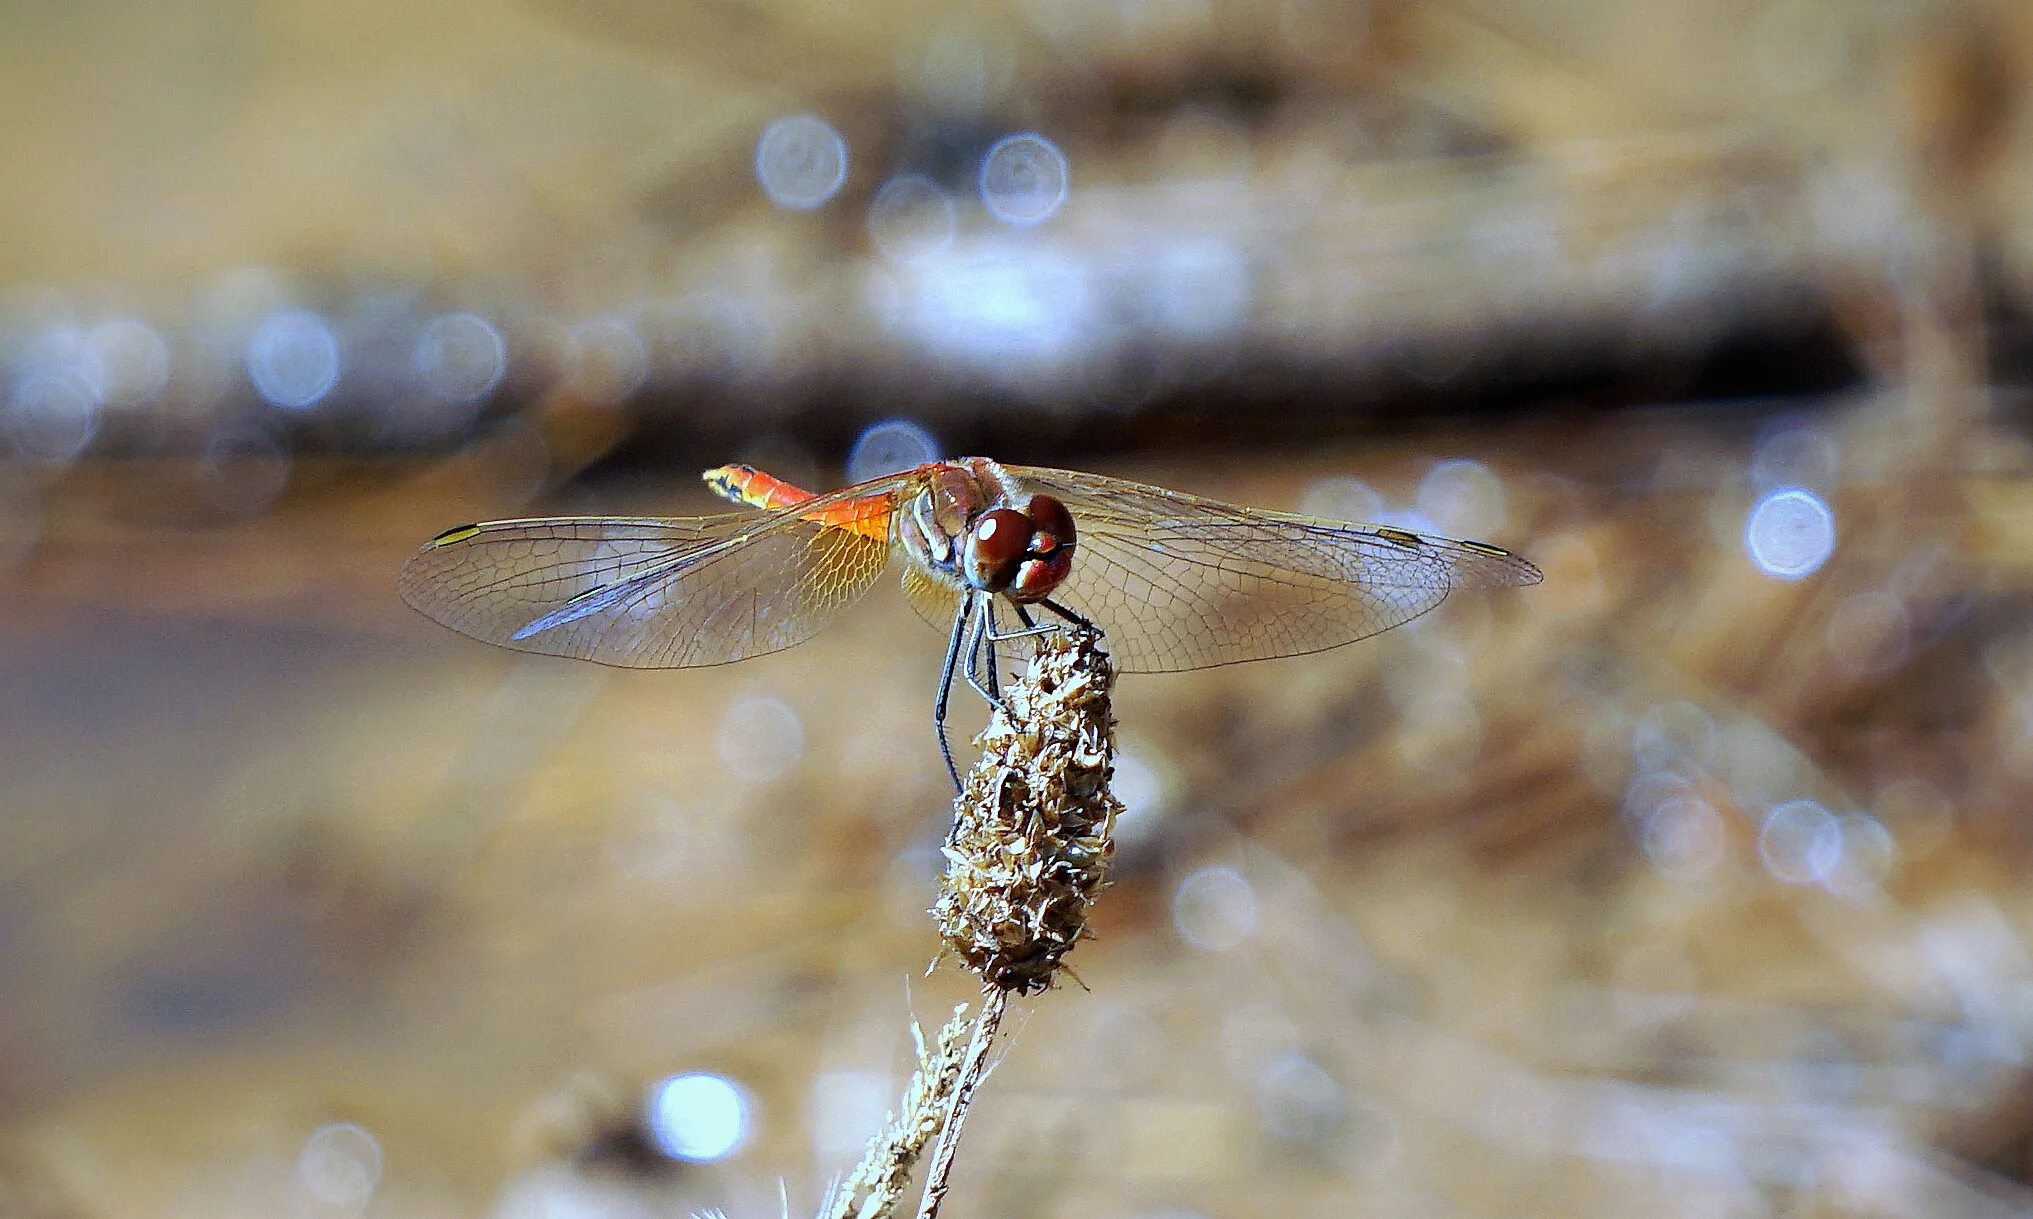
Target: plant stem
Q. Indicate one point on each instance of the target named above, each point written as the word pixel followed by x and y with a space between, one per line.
pixel 971 1069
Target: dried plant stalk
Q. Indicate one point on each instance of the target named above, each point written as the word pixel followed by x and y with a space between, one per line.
pixel 972 1067
pixel 885 1167
pixel 1032 839
pixel 1033 834
pixel 1034 825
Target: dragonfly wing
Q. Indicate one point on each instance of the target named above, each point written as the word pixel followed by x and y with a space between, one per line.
pixel 647 593
pixel 1182 582
pixel 935 602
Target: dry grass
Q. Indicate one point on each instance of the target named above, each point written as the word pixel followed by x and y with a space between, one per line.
pixel 1031 844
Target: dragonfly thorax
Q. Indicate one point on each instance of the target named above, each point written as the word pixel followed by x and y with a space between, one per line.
pixel 965 529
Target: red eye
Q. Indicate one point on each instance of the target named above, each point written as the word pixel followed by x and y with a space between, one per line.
pixel 1037 578
pixel 995 548
pixel 1050 519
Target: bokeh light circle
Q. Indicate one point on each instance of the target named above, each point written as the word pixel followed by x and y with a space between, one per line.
pixel 761 739
pixel 698 1116
pixel 889 446
pixel 1685 837
pixel 1339 497
pixel 52 418
pixel 1299 1102
pixel 1024 179
pixel 1214 908
pixel 1463 497
pixel 801 160
pixel 911 219
pixel 460 357
pixel 1800 842
pixel 340 1165
pixel 293 358
pixel 133 361
pixel 1790 533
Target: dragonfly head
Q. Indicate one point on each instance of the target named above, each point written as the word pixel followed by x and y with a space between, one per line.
pixel 1023 555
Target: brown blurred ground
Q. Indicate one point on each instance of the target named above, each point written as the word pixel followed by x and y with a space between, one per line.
pixel 1496 915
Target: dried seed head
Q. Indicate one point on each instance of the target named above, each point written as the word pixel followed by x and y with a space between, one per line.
pixel 878 1182
pixel 1034 825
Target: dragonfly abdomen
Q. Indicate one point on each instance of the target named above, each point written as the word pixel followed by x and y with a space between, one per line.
pixel 753 488
pixel 744 484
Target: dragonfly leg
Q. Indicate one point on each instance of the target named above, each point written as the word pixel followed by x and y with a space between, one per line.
pixel 981 640
pixel 989 638
pixel 960 623
pixel 1071 616
pixel 1030 627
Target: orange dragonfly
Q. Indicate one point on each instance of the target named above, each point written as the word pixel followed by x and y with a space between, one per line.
pixel 1173 581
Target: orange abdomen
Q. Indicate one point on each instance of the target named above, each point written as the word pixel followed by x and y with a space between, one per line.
pixel 867 515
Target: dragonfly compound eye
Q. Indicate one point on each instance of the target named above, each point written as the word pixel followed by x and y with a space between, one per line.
pixel 1053 525
pixel 995 549
pixel 1048 558
pixel 1036 579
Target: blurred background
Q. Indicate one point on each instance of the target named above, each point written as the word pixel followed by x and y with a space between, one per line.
pixel 1692 882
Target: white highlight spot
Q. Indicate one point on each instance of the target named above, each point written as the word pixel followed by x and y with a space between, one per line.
pixel 1024 179
pixel 911 219
pixel 1003 308
pixel 460 357
pixel 761 738
pixel 889 446
pixel 846 1108
pixel 1685 837
pixel 1790 533
pixel 1341 498
pixel 1463 497
pixel 1298 1102
pixel 800 161
pixel 52 418
pixel 293 359
pixel 1198 290
pixel 1869 853
pixel 133 361
pixel 1801 842
pixel 340 1165
pixel 698 1116
pixel 1214 909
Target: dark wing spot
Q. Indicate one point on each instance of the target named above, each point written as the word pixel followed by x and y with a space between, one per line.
pixel 1486 548
pixel 1398 537
pixel 456 534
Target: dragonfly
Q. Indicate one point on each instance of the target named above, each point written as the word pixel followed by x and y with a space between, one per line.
pixel 1172 581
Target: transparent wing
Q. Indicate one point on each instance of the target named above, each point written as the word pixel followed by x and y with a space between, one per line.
pixel 1181 582
pixel 650 593
pixel 936 603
